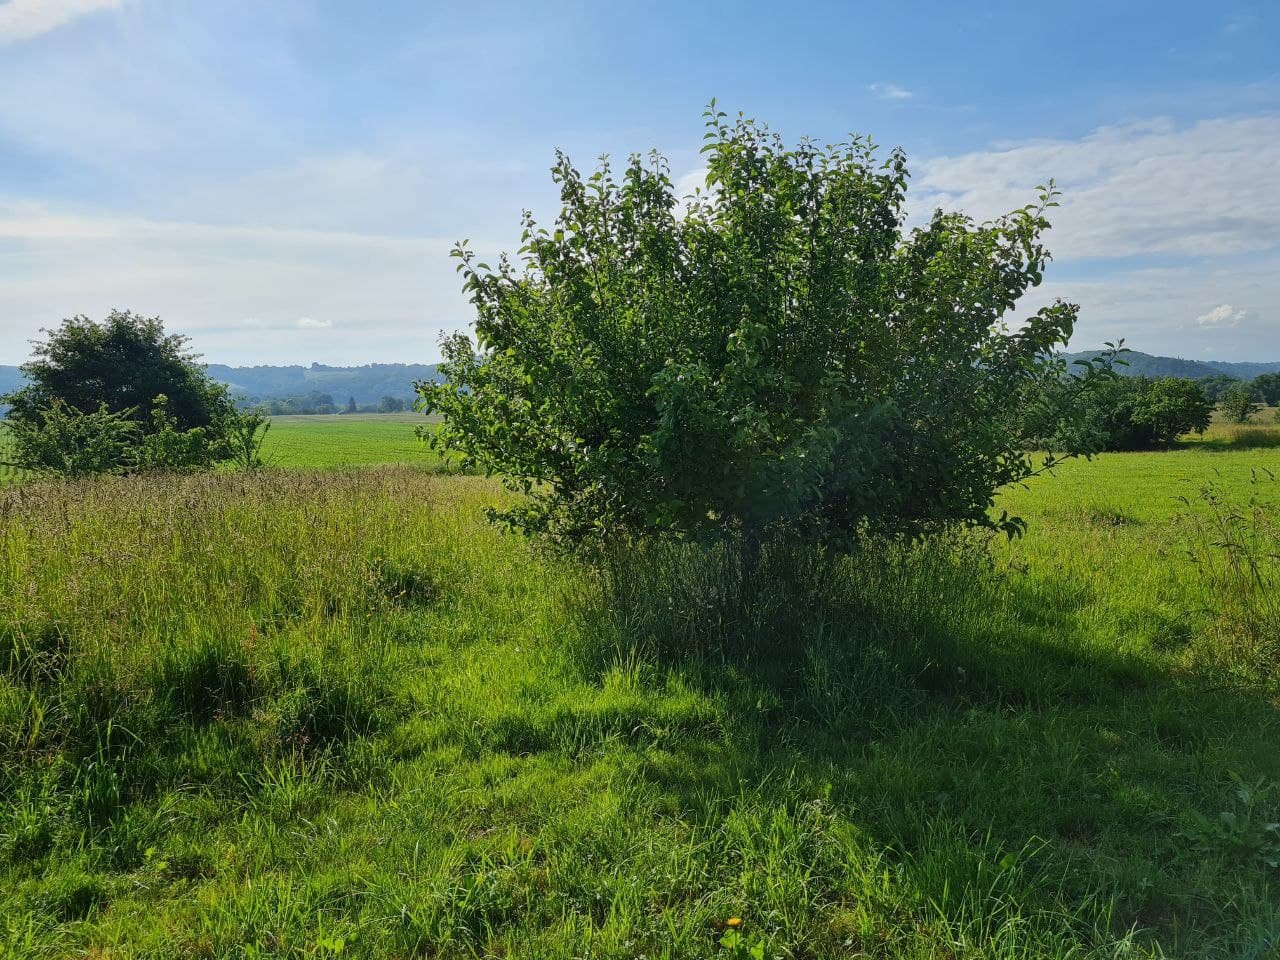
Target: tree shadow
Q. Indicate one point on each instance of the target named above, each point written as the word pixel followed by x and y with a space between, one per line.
pixel 958 718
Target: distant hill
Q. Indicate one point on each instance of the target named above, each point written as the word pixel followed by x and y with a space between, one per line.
pixel 368 384
pixel 10 378
pixel 1148 365
pixel 1245 371
pixel 372 382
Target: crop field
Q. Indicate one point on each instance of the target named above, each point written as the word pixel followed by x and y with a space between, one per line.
pixel 323 713
pixel 346 440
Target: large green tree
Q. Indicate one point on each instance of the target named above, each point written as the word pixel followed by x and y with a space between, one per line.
pixel 122 363
pixel 779 349
pixel 1267 386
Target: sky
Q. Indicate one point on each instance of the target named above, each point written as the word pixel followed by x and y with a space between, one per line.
pixel 283 181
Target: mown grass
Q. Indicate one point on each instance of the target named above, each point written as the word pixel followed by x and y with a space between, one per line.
pixel 347 440
pixel 309 714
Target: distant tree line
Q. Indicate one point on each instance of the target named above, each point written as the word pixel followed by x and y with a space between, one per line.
pixel 317 402
pixel 1143 413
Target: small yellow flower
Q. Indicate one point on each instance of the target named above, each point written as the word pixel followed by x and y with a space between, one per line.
pixel 733 922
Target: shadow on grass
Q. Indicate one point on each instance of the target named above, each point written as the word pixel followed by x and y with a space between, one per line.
pixel 968 723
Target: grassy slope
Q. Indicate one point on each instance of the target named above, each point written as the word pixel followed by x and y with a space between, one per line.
pixel 346 716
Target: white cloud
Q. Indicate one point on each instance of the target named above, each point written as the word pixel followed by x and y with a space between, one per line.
pixel 24 19
pixel 693 180
pixel 890 91
pixel 239 292
pixel 1240 23
pixel 311 323
pixel 1154 309
pixel 1210 189
pixel 1223 315
pixel 1156 194
pixel 35 223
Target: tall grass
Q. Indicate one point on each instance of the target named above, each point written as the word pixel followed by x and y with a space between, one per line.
pixel 312 715
pixel 1235 543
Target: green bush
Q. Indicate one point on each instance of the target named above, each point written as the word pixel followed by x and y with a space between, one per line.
pixel 64 440
pixel 777 350
pixel 165 447
pixel 1126 413
pixel 1239 403
pixel 79 412
pixel 68 442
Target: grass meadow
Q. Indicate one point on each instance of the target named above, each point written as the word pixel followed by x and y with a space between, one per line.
pixel 347 440
pixel 321 713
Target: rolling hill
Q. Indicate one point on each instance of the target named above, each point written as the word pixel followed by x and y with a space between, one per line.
pixel 370 383
pixel 1139 364
pixel 367 384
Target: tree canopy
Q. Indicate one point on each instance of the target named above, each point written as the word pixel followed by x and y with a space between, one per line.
pixel 122 363
pixel 1239 402
pixel 1129 413
pixel 1267 387
pixel 778 348
pixel 122 396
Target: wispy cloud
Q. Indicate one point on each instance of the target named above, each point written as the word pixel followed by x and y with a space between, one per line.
pixel 1168 235
pixel 33 223
pixel 244 293
pixel 1140 189
pixel 1223 315
pixel 1240 23
pixel 24 19
pixel 890 91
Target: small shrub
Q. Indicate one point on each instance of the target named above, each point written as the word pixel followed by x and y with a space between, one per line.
pixel 1125 413
pixel 64 440
pixel 246 432
pixel 165 447
pixel 1239 403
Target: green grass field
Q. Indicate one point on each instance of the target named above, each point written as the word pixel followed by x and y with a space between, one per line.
pixel 347 440
pixel 333 713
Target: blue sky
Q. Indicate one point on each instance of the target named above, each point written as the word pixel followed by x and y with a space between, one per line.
pixel 283 181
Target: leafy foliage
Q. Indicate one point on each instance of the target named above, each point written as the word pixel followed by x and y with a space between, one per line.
pixel 777 349
pixel 69 442
pixel 1239 403
pixel 166 447
pixel 245 436
pixel 1129 413
pixel 64 440
pixel 1170 407
pixel 1267 386
pixel 122 363
pixel 79 412
pixel 1214 387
